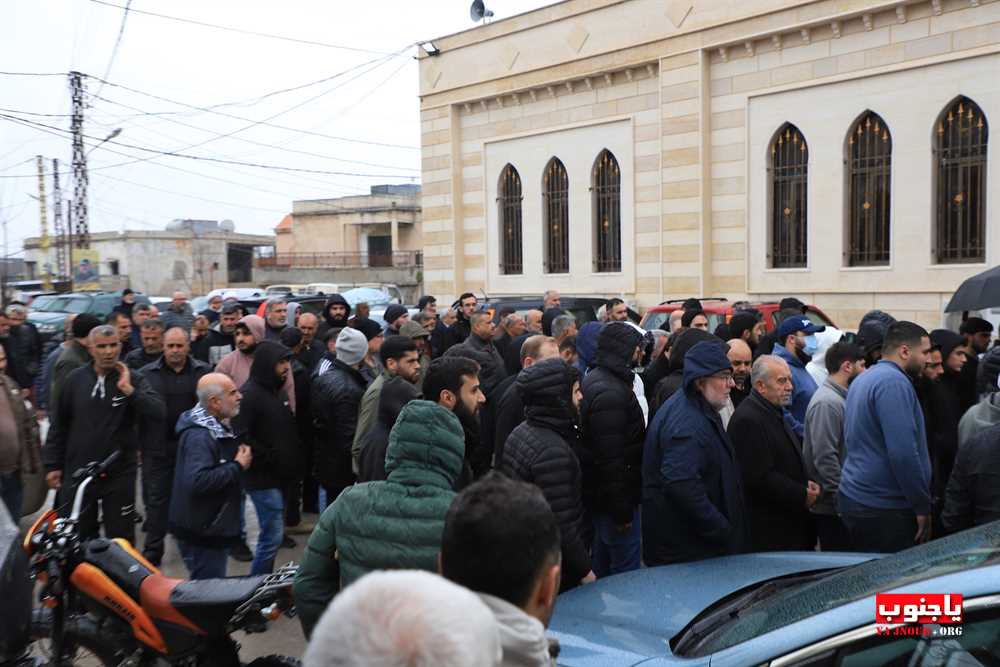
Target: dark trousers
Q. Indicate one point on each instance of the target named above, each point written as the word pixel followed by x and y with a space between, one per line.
pixel 115 496
pixel 157 482
pixel 832 533
pixel 614 552
pixel 203 562
pixel 880 531
pixel 293 497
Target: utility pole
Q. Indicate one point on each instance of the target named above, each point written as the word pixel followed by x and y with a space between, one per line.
pixel 62 265
pixel 69 244
pixel 80 177
pixel 43 214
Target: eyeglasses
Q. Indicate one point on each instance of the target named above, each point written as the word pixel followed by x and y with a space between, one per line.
pixel 722 375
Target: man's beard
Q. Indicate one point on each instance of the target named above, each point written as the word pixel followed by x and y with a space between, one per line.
pixel 248 349
pixel 803 357
pixel 468 419
pixel 913 369
pixel 740 381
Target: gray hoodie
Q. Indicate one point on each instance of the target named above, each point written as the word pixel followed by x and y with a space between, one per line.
pixel 521 636
pixel 823 443
pixel 979 417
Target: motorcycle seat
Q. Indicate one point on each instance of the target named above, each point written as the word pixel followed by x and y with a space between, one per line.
pixel 204 605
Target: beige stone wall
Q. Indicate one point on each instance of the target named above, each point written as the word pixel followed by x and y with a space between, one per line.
pixel 684 73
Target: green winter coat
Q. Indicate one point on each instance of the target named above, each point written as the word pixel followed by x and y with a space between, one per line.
pixel 388 525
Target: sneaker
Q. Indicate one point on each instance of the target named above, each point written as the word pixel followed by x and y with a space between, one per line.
pixel 287 542
pixel 241 553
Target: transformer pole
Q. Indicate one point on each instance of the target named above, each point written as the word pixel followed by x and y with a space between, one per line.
pixel 80 177
pixel 43 214
pixel 62 266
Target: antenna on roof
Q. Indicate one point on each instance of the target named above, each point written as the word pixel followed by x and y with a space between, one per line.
pixel 478 11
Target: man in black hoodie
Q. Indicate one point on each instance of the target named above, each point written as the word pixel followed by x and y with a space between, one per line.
pixel 396 393
pixel 944 407
pixel 267 424
pixel 542 451
pixel 614 430
pixel 336 313
pixel 99 408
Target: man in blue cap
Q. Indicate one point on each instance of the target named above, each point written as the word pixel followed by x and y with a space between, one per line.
pixel 796 344
pixel 692 493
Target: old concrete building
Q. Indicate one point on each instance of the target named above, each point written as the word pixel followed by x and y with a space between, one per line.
pixel 374 226
pixel 196 256
pixel 837 150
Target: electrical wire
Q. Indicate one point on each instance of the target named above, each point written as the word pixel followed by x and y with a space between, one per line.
pixel 118 41
pixel 244 32
pixel 190 196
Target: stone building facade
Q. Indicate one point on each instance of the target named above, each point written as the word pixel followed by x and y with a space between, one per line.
pixel 738 168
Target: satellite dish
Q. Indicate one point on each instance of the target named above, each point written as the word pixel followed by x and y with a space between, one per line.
pixel 478 11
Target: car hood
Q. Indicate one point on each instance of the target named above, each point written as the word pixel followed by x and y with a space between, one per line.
pixel 627 618
pixel 37 317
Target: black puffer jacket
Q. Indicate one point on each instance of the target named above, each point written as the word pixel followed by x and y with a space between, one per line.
pixel 541 451
pixel 613 426
pixel 266 422
pixel 25 358
pixel 336 396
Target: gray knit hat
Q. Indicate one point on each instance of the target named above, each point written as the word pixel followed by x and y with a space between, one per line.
pixel 352 346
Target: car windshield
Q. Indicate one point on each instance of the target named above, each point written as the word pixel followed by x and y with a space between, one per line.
pixel 67 304
pixel 657 320
pixel 969 549
pixel 40 302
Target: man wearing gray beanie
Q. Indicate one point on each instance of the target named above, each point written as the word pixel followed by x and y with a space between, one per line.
pixel 336 396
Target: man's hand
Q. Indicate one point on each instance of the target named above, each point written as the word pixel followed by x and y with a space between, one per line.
pixel 812 493
pixel 54 479
pixel 590 578
pixel 124 379
pixel 244 456
pixel 923 529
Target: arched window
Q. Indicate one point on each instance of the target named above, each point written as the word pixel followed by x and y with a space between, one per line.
pixel 607 207
pixel 789 178
pixel 509 203
pixel 960 139
pixel 555 208
pixel 869 169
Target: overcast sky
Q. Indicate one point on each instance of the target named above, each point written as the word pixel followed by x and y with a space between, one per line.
pixel 374 99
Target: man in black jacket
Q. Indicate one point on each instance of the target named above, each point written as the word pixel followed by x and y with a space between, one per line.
pixel 462 327
pixel 266 423
pixel 778 493
pixel 219 341
pixel 174 377
pixel 396 393
pixel 73 356
pixel 24 349
pixel 151 337
pixel 336 397
pixel 207 488
pixel 509 406
pixel 972 497
pixel 614 431
pixel 542 451
pixel 99 408
pixel 336 314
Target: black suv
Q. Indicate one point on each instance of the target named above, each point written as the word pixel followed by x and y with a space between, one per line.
pixel 583 308
pixel 50 319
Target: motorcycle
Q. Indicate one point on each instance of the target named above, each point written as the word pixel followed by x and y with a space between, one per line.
pixel 102 597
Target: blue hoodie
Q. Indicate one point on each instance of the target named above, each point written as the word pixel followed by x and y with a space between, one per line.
pixel 692 493
pixel 586 346
pixel 803 388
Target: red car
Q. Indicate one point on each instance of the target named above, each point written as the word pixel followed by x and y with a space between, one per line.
pixel 720 311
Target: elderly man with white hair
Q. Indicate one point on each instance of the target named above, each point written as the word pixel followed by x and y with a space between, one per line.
pixel 405 618
pixel 178 313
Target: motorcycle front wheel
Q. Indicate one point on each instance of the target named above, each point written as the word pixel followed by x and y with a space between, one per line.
pixel 82 642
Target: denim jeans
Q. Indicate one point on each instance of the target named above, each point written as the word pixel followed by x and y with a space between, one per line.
pixel 270 509
pixel 12 493
pixel 203 562
pixel 616 552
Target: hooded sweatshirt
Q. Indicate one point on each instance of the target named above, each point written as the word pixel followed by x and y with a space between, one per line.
pixel 981 416
pixel 944 410
pixel 237 364
pixel 394 524
pixel 674 380
pixel 396 393
pixel 330 322
pixel 521 636
pixel 266 421
pixel 586 346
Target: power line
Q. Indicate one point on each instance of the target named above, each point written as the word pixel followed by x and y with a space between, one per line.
pixel 118 41
pixel 32 73
pixel 190 196
pixel 53 129
pixel 255 33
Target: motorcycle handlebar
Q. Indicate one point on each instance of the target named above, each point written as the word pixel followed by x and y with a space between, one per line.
pixel 93 469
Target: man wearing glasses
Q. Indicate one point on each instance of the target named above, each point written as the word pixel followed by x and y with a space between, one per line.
pixel 692 491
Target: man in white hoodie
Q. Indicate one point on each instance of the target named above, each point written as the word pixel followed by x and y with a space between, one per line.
pixel 501 541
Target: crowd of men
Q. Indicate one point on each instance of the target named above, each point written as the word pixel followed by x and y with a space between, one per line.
pixel 514 453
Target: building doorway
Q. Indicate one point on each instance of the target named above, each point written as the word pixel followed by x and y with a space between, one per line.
pixel 379 251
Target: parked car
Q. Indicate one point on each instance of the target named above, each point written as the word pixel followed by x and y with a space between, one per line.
pixel 583 308
pixel 720 311
pixel 50 318
pixel 791 608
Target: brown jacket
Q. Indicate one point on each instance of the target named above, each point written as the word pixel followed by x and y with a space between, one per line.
pixel 29 459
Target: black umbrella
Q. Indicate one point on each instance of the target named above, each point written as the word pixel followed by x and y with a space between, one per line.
pixel 976 293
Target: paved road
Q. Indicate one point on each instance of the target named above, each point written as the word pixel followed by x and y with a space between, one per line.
pixel 284 636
